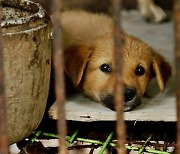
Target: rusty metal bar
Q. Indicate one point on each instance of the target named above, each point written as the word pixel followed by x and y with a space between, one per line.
pixel 119 87
pixel 3 118
pixel 59 75
pixel 177 66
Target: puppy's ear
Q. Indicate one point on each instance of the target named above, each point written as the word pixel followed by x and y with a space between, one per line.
pixel 75 60
pixel 161 70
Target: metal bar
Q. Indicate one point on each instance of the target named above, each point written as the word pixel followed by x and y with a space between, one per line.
pixel 59 75
pixel 3 118
pixel 119 87
pixel 177 66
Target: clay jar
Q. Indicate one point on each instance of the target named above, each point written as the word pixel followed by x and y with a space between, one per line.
pixel 26 42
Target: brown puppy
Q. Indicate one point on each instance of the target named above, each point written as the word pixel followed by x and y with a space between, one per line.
pixel 89 59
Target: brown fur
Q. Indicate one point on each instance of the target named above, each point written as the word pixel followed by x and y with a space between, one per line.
pixel 88 43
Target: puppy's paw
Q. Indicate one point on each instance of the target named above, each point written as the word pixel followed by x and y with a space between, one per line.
pixel 151 12
pixel 157 14
pixel 53 112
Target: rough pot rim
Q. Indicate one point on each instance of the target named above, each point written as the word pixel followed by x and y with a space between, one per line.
pixel 38 12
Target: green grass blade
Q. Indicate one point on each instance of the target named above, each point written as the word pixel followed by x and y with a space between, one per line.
pixel 144 145
pixel 105 144
pixel 36 135
pixel 71 139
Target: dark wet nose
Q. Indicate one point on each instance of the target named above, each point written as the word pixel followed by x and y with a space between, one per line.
pixel 129 94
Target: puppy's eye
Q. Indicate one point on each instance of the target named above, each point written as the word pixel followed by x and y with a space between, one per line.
pixel 139 70
pixel 105 68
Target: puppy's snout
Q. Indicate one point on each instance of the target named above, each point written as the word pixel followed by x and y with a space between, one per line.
pixel 129 94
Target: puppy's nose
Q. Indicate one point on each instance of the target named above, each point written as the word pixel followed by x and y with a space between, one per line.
pixel 129 94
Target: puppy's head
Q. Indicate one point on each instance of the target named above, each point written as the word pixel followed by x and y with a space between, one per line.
pixel 91 68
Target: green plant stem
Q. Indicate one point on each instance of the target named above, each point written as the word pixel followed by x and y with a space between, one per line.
pixel 105 144
pixel 71 139
pixel 144 145
pixel 36 135
pixel 156 151
pixel 50 135
pixel 129 147
pixel 111 144
pixel 89 141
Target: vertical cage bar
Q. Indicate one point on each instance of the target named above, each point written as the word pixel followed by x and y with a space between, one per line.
pixel 119 87
pixel 3 118
pixel 177 66
pixel 59 75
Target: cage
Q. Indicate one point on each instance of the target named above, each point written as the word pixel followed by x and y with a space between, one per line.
pixel 96 126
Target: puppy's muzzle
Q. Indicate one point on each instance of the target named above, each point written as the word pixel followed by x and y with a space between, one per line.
pixel 131 100
pixel 129 94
